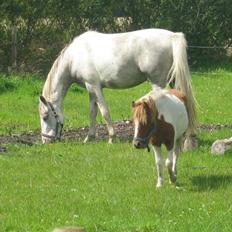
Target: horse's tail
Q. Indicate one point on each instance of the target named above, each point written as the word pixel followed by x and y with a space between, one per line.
pixel 180 72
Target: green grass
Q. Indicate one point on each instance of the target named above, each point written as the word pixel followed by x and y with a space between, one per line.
pixel 106 187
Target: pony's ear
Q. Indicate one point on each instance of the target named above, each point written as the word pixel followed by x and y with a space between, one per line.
pixel 133 104
pixel 150 101
pixel 43 100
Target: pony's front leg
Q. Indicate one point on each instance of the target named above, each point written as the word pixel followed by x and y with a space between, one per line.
pixel 159 165
pixel 105 113
pixel 92 117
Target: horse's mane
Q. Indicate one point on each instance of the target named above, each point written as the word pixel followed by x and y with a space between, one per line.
pixel 53 71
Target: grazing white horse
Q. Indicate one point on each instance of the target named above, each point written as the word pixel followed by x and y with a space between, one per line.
pixel 96 61
pixel 161 117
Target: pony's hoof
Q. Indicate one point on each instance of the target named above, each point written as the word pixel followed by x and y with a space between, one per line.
pixel 159 185
pixel 172 179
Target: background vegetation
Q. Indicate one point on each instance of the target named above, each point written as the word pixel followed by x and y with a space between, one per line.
pixel 44 27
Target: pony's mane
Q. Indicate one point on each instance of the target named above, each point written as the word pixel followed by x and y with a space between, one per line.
pixel 52 72
pixel 142 108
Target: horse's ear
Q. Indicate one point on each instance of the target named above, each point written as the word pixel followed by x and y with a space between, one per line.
pixel 43 100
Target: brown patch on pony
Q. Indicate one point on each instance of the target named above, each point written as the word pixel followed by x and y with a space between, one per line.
pixel 164 134
pixel 146 113
pixel 179 94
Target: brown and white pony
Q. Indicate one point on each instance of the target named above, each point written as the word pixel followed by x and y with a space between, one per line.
pixel 161 117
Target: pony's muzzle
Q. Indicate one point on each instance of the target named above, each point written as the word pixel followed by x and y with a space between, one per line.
pixel 138 144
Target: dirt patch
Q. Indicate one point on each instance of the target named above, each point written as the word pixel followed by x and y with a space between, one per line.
pixel 123 130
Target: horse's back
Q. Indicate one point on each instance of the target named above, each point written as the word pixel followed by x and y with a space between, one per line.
pixel 122 60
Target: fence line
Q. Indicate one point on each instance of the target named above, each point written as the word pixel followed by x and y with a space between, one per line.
pixel 207 47
pixel 205 73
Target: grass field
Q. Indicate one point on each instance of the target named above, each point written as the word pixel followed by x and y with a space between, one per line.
pixel 104 187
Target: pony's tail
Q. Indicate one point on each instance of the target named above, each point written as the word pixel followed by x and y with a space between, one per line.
pixel 180 72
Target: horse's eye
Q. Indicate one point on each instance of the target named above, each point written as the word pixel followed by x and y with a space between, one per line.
pixel 45 117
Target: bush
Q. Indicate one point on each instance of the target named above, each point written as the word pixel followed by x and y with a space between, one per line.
pixel 44 27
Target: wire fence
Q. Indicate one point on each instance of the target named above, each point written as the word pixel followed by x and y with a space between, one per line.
pixel 209 47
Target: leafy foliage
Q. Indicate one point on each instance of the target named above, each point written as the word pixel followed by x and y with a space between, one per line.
pixel 44 27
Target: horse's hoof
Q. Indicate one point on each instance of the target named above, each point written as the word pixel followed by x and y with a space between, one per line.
pixel 190 143
pixel 110 141
pixel 159 185
pixel 89 138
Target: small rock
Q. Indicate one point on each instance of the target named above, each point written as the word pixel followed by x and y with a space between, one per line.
pixel 218 147
pixel 2 149
pixel 69 229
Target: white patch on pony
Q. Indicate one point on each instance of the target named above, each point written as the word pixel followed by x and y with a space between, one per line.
pixel 136 125
pixel 170 107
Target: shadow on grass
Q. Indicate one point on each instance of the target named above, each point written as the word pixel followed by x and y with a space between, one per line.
pixel 205 142
pixel 211 182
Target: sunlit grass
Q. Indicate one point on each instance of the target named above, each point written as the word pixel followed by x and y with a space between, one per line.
pixel 106 187
pixel 112 188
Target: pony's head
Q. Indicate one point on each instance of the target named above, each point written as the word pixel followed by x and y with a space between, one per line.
pixel 144 120
pixel 51 122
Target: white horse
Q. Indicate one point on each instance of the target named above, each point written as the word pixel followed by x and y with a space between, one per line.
pixel 96 61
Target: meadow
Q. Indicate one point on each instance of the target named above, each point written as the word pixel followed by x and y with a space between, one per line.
pixel 104 187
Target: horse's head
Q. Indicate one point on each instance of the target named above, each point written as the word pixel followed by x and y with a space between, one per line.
pixel 144 120
pixel 51 122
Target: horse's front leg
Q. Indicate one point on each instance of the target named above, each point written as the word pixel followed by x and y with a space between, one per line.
pixel 159 165
pixel 92 116
pixel 105 113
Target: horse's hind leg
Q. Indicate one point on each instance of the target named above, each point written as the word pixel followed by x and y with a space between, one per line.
pixel 92 116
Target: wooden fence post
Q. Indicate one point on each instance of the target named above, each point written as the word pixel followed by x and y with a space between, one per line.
pixel 14 47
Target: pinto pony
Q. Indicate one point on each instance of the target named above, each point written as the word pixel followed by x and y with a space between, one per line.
pixel 161 117
pixel 117 61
